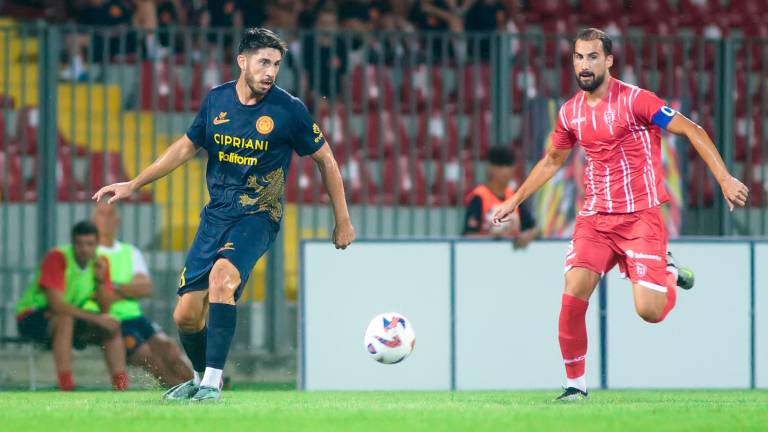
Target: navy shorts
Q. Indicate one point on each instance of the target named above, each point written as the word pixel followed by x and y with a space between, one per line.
pixel 242 243
pixel 137 332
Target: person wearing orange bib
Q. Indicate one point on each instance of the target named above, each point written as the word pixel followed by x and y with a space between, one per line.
pixel 482 201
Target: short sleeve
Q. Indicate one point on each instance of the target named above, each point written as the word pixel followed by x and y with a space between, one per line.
pixel 527 220
pixel 563 137
pixel 53 271
pixel 474 218
pixel 306 136
pixel 645 106
pixel 139 263
pixel 196 131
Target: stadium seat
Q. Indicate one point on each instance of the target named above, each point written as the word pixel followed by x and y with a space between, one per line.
pixel 384 132
pixel 27 123
pixel 447 180
pixel 701 192
pixel 371 85
pixel 418 83
pixel 68 186
pixel 403 181
pixel 477 87
pixel 437 136
pixel 107 168
pixel 303 184
pixel 12 187
pixel 358 184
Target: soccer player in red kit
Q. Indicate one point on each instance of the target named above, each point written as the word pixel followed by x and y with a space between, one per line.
pixel 619 126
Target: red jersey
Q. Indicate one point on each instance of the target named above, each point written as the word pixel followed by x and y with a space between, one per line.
pixel 623 171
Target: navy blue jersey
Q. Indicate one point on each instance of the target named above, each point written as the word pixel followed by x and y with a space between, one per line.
pixel 249 150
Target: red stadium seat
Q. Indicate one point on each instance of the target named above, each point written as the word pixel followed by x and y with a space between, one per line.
pixel 303 182
pixel 68 187
pixel 371 85
pixel 384 134
pixel 27 123
pixel 477 87
pixel 358 184
pixel 437 136
pixel 403 181
pixel 107 168
pixel 701 192
pixel 448 178
pixel 12 187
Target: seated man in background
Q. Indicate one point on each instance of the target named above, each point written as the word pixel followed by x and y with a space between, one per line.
pixel 482 201
pixel 145 343
pixel 51 310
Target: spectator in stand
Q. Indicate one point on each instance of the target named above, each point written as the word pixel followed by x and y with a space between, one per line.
pixel 324 56
pixel 438 16
pixel 483 200
pixel 483 16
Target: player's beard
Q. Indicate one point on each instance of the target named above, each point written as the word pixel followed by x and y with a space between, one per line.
pixel 592 85
pixel 254 86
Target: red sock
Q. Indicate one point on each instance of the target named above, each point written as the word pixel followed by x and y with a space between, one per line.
pixel 573 335
pixel 120 381
pixel 66 381
pixel 671 296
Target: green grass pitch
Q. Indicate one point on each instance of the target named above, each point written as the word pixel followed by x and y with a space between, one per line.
pixel 243 410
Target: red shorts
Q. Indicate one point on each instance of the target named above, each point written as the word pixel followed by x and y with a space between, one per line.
pixel 636 241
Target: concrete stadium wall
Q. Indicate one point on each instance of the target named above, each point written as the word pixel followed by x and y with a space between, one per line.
pixel 500 306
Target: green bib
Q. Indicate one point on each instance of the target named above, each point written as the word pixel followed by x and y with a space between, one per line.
pixel 79 285
pixel 121 272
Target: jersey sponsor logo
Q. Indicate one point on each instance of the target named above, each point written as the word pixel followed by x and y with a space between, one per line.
pixel 227 246
pixel 639 255
pixel 235 158
pixel 221 118
pixel 609 117
pixel 578 120
pixel 239 142
pixel 265 124
pixel 318 133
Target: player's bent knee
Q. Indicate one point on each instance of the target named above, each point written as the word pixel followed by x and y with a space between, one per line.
pixel 649 313
pixel 187 321
pixel 223 282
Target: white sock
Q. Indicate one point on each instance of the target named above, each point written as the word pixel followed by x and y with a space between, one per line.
pixel 196 378
pixel 579 383
pixel 212 378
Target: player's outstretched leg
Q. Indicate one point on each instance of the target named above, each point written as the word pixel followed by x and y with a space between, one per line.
pixel 223 282
pixel 572 329
pixel 190 319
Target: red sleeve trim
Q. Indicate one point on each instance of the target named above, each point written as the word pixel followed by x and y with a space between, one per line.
pixel 53 271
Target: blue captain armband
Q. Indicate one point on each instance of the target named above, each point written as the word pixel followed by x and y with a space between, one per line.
pixel 663 116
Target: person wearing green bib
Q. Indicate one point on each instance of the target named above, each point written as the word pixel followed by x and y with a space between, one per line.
pixel 52 310
pixel 146 345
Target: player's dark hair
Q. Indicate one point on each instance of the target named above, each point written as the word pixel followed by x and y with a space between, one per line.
pixel 257 38
pixel 501 156
pixel 85 227
pixel 590 34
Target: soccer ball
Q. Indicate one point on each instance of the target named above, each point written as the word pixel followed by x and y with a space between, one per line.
pixel 389 338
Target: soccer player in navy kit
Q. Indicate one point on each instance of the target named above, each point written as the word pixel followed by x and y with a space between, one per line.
pixel 249 128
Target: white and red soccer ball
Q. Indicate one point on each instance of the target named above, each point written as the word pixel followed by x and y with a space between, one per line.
pixel 389 338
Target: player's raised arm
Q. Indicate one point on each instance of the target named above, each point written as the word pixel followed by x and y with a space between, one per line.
pixel 541 173
pixel 179 152
pixel 734 191
pixel 344 232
